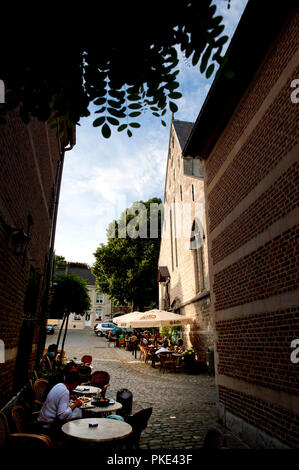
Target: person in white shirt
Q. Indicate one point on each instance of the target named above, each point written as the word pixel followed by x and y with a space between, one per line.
pixel 56 409
pixel 163 349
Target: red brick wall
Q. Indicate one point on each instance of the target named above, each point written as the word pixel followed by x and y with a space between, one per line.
pixel 279 199
pixel 273 138
pixel 23 192
pixel 257 349
pixel 251 191
pixel 270 270
pixel 280 423
pixel 278 58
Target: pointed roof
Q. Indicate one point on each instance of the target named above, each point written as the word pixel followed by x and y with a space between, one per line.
pixel 182 129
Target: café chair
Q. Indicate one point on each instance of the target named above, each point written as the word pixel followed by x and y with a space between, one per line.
pixel 40 389
pixel 86 360
pixel 23 441
pixel 166 362
pixel 139 423
pixel 84 373
pixel 22 422
pixel 99 378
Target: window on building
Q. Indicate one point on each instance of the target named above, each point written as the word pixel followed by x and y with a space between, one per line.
pixel 197 245
pixel 192 192
pixel 99 314
pixel 193 167
pixel 171 238
pixel 181 191
pixel 99 298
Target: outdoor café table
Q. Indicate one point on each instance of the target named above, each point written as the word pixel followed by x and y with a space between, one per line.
pixel 107 429
pixel 101 410
pixel 87 390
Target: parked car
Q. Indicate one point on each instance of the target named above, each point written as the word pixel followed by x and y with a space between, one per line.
pixel 51 329
pixel 104 327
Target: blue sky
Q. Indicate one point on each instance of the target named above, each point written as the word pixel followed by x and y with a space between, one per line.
pixel 102 177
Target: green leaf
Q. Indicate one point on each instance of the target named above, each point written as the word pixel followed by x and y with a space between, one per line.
pixel 134 124
pixel 101 110
pixel 99 121
pixel 122 127
pixel 100 101
pixel 135 106
pixel 172 86
pixel 163 123
pixel 137 113
pixel 173 107
pixel 196 57
pixel 210 70
pixel 205 58
pixel 133 97
pixel 129 133
pixel 175 95
pixel 113 121
pixel 119 113
pixel 221 41
pixel 114 104
pixel 106 131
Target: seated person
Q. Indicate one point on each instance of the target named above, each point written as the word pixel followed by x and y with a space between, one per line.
pixel 51 353
pixel 180 345
pixel 56 409
pixel 164 348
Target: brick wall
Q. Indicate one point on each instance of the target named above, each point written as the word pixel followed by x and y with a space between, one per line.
pixel 29 157
pixel 251 190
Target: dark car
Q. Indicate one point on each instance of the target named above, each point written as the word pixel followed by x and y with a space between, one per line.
pixel 51 329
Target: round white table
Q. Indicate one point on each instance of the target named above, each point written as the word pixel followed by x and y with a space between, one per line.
pixel 99 410
pixel 90 390
pixel 107 429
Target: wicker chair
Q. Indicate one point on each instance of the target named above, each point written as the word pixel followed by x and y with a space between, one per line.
pixel 40 388
pixel 22 422
pixel 100 378
pixel 86 360
pixel 23 441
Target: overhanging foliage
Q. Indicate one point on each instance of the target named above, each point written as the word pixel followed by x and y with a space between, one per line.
pixel 128 67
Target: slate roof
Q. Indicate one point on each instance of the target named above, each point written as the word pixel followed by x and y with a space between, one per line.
pixel 79 269
pixel 182 129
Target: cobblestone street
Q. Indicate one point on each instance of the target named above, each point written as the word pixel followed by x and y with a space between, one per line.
pixel 183 405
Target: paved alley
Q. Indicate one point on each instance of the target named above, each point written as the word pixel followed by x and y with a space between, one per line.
pixel 183 405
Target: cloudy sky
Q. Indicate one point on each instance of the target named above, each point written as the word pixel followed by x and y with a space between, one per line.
pixel 102 177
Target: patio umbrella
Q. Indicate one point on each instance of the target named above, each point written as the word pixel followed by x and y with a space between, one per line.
pixel 151 319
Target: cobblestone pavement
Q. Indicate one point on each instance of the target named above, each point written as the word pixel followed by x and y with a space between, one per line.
pixel 183 405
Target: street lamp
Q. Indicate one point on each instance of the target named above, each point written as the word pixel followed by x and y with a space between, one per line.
pixel 19 238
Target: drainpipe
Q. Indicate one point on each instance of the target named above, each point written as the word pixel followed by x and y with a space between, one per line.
pixel 50 263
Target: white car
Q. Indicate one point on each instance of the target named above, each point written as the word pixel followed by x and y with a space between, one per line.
pixel 102 328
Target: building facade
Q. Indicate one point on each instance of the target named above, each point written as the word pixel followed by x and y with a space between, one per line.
pixel 247 137
pixel 31 161
pixel 183 260
pixel 100 308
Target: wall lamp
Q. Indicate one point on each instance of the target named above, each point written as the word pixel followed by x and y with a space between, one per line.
pixel 19 238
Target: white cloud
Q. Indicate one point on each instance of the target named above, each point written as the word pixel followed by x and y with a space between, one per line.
pixel 102 177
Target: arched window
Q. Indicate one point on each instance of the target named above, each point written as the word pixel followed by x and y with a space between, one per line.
pixel 197 246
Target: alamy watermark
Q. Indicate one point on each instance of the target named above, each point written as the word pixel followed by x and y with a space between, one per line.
pixel 295 93
pixel 173 220
pixel 2 92
pixel 295 353
pixel 2 351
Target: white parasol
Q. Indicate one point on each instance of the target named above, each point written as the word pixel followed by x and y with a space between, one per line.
pixel 151 319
